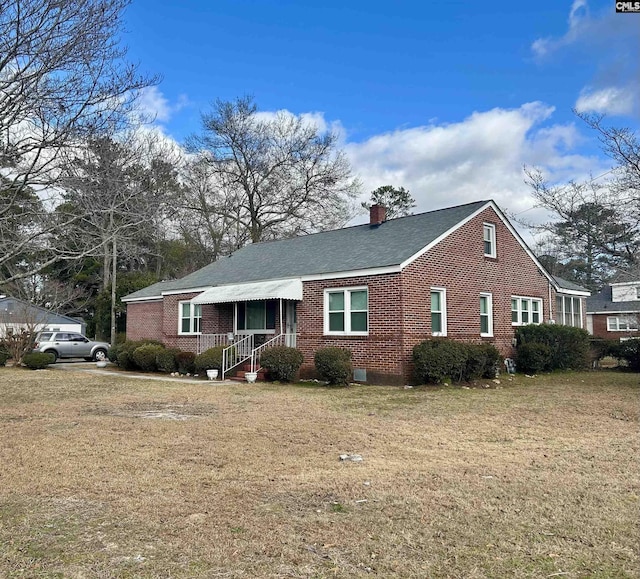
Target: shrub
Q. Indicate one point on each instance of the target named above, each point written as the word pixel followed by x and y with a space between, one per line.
pixel 166 360
pixel 629 351
pixel 334 365
pixel 186 362
pixel 282 362
pixel 210 359
pixel 482 361
pixel 568 346
pixel 145 357
pixel 532 358
pixel 4 356
pixel 440 358
pixel 38 360
pixel 122 354
pixel 112 354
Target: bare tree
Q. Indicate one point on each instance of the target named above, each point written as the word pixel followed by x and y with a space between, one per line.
pixel 278 174
pixel 63 78
pixel 19 324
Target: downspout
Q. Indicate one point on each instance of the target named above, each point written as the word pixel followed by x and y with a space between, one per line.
pixel 551 317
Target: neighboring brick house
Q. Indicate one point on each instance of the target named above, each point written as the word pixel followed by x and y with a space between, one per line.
pixel 614 313
pixel 377 289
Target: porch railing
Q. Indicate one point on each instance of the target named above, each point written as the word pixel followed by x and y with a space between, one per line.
pixel 206 341
pixel 236 353
pixel 279 340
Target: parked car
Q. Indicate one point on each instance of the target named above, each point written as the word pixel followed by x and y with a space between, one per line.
pixel 70 345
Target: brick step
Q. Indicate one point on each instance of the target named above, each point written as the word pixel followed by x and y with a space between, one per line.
pixel 240 375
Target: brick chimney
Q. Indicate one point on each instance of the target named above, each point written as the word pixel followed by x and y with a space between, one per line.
pixel 377 214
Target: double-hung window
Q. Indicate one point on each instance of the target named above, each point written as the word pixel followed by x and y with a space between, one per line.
pixel 486 314
pixel 569 311
pixel 346 311
pixel 489 232
pixel 190 318
pixel 525 311
pixel 621 324
pixel 438 311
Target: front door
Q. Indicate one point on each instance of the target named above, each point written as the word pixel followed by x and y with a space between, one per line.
pixel 291 324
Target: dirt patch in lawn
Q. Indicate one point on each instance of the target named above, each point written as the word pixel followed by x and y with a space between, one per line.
pixel 538 478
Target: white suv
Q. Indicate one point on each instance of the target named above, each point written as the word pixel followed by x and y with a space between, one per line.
pixel 70 345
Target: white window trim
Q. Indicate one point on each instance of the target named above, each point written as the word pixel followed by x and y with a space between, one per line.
pixel 191 318
pixel 489 314
pixel 530 300
pixel 492 239
pixel 628 320
pixel 443 301
pixel 347 311
pixel 561 315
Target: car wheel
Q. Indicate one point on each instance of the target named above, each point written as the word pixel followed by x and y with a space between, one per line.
pixel 99 355
pixel 53 353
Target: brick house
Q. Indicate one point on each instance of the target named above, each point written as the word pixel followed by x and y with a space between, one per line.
pixel 614 313
pixel 377 289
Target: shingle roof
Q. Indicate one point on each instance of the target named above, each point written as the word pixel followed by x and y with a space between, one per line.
pixel 349 249
pixel 568 285
pixel 602 302
pixel 22 310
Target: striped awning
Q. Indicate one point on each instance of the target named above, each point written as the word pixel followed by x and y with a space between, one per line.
pixel 285 289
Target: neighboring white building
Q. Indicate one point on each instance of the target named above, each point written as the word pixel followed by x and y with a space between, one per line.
pixel 614 313
pixel 17 315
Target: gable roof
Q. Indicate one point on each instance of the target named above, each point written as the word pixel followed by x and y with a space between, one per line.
pixel 18 307
pixel 358 250
pixel 361 247
pixel 603 303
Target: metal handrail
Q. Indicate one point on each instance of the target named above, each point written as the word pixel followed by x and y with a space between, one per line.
pixel 279 340
pixel 237 353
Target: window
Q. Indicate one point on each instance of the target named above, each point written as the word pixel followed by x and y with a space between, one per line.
pixel 346 311
pixel 525 311
pixel 486 314
pixel 438 312
pixel 569 311
pixel 622 324
pixel 489 230
pixel 190 318
pixel 257 315
pixel 638 292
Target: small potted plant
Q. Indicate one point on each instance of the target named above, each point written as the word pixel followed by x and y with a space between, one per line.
pixel 210 361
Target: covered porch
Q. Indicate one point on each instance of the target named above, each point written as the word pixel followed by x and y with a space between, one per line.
pixel 247 318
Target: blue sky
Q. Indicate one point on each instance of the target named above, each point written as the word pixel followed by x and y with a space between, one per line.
pixel 448 99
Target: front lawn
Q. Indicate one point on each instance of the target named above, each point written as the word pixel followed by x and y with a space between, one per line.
pixel 107 476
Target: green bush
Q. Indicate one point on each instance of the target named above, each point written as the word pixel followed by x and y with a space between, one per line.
pixel 483 361
pixel 145 357
pixel 334 365
pixel 568 346
pixel 4 356
pixel 210 359
pixel 629 351
pixel 282 362
pixel 122 354
pixel 166 360
pixel 112 354
pixel 186 362
pixel 438 359
pixel 532 358
pixel 38 360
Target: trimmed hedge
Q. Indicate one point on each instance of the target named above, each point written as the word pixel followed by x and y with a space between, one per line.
pixel 186 362
pixel 4 356
pixel 122 354
pixel 334 365
pixel 210 359
pixel 166 360
pixel 629 351
pixel 282 362
pixel 145 357
pixel 532 358
pixel 443 359
pixel 568 346
pixel 38 360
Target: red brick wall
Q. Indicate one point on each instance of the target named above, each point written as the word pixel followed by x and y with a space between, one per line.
pixel 600 328
pixel 458 264
pixel 144 320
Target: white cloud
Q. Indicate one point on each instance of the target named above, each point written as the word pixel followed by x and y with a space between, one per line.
pixel 610 100
pixel 153 105
pixel 480 157
pixel 579 22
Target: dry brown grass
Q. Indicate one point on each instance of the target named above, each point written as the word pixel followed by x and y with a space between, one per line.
pixel 115 477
